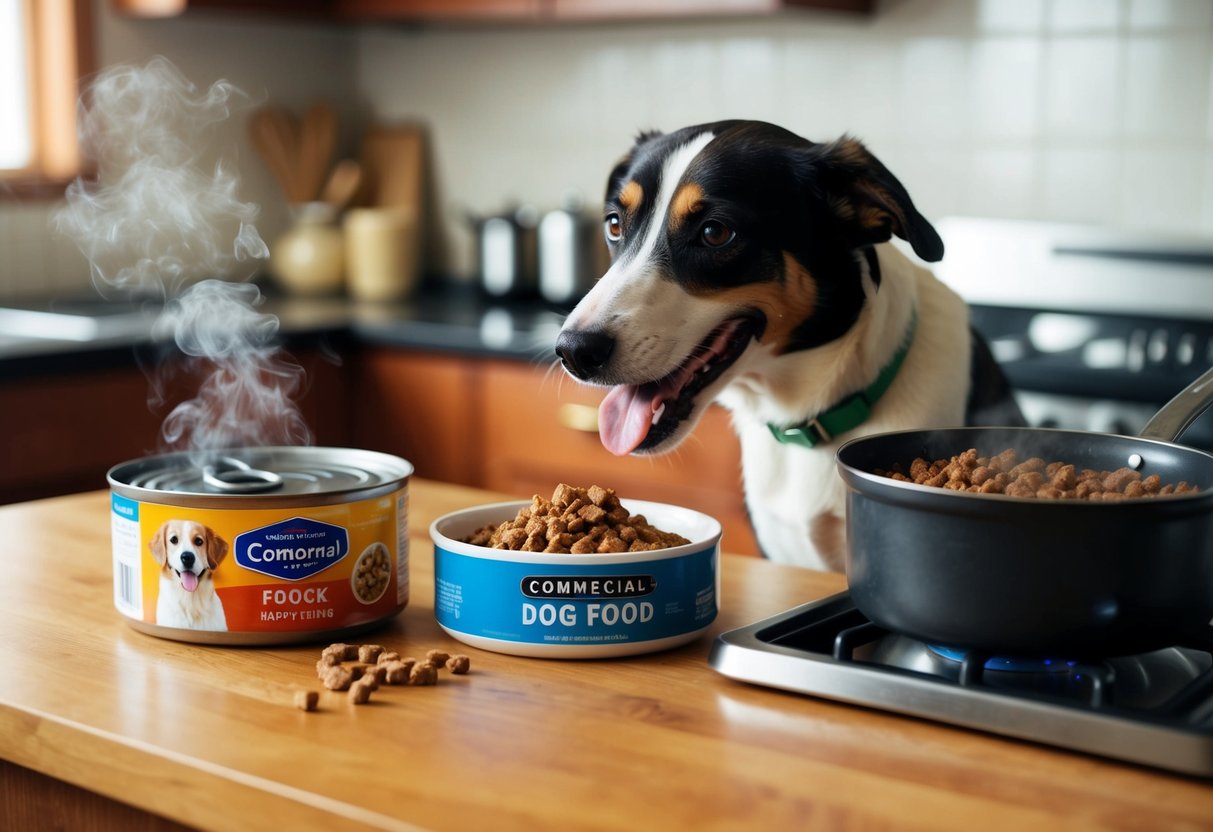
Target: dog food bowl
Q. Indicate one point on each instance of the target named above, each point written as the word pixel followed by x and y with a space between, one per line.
pixel 576 606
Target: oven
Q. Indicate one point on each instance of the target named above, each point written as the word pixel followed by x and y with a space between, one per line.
pixel 1096 330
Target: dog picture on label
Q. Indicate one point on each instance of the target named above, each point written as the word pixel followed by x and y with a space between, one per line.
pixel 754 268
pixel 188 553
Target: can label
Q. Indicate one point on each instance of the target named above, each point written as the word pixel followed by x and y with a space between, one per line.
pixel 261 570
pixel 575 605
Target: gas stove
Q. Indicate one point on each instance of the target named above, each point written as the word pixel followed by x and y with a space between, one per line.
pixel 1155 708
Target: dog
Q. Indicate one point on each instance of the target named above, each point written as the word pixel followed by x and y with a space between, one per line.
pixel 188 553
pixel 753 268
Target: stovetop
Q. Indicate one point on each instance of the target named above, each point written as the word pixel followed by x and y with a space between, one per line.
pixel 1155 708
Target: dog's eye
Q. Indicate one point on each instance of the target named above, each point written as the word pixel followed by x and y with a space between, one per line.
pixel 198 541
pixel 613 227
pixel 715 234
pixel 173 540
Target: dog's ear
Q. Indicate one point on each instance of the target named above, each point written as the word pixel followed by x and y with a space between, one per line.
pixel 216 548
pixel 159 543
pixel 867 198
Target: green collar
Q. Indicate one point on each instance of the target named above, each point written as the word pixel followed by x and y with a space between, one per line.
pixel 852 411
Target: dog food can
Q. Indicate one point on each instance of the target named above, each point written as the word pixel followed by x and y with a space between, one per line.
pixel 260 545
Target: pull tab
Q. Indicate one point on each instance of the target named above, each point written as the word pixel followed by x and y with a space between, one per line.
pixel 232 476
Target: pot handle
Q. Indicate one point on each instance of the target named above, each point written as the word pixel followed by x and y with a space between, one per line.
pixel 1177 414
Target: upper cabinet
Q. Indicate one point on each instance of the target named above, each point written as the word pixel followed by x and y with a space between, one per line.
pixel 530 11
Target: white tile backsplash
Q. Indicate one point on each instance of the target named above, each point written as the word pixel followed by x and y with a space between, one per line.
pixel 1074 110
pixel 1006 88
pixel 1166 86
pixel 1084 87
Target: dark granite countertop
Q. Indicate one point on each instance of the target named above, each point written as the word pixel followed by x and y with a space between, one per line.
pixel 90 332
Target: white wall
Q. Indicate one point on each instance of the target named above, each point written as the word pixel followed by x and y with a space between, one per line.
pixel 1078 110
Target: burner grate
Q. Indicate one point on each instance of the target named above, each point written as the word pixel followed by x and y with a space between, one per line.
pixel 1155 709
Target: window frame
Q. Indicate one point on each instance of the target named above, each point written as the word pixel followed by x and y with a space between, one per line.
pixel 60 57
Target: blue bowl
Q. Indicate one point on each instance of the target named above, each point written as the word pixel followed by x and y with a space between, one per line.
pixel 576 606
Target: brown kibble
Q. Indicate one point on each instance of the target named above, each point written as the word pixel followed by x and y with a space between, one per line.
pixel 1002 474
pixel 423 674
pixel 387 656
pixel 307 700
pixel 397 673
pixel 578 521
pixel 338 678
pixel 437 657
pixel 369 653
pixel 459 664
pixel 360 691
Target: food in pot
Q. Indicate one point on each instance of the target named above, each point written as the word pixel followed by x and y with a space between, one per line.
pixel 372 573
pixel 578 521
pixel 1005 473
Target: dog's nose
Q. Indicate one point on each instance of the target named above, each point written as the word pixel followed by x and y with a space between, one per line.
pixel 187 560
pixel 584 352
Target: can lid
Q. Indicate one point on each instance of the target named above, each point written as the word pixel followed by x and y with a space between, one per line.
pixel 260 471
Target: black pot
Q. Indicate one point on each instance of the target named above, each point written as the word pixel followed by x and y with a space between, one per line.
pixel 1008 575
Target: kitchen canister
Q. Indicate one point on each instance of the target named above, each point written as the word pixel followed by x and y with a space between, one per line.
pixel 309 258
pixel 382 253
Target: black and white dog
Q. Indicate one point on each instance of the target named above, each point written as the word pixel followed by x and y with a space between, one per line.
pixel 752 267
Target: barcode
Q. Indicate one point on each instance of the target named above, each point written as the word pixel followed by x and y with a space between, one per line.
pixel 126 585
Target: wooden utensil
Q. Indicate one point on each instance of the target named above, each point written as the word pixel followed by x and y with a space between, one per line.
pixel 343 184
pixel 317 144
pixel 393 162
pixel 275 135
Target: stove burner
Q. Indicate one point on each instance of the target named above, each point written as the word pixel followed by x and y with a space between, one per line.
pixel 1155 708
pixel 1010 665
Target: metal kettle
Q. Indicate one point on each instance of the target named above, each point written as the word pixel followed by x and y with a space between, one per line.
pixel 506 253
pixel 572 253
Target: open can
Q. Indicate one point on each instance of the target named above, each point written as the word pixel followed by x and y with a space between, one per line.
pixel 257 546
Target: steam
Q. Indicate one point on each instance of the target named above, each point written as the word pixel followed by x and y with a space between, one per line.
pixel 163 219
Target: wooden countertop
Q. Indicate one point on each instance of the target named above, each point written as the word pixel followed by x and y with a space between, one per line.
pixel 208 737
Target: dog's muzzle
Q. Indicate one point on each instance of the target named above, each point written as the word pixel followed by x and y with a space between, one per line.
pixel 584 353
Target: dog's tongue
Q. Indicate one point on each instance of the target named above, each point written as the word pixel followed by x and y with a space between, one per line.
pixel 628 411
pixel 189 581
pixel 625 416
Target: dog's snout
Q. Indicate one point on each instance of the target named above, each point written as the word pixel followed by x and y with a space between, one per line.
pixel 187 560
pixel 584 352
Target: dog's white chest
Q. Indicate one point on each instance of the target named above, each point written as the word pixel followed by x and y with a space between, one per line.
pixel 787 489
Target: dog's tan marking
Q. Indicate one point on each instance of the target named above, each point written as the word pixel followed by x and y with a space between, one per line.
pixel 828 534
pixel 787 303
pixel 631 195
pixel 686 201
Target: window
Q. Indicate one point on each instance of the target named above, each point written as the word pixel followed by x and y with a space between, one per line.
pixel 44 51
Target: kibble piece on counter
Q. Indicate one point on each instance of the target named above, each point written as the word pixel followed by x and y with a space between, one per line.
pixel 376 672
pixel 423 674
pixel 369 653
pixel 387 656
pixel 360 691
pixel 306 700
pixel 339 678
pixel 397 673
pixel 437 657
pixel 458 663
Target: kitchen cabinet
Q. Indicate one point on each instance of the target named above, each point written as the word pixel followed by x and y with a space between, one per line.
pixel 533 11
pixel 515 427
pixel 63 430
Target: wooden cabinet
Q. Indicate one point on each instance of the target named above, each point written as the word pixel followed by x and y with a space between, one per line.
pixel 422 406
pixel 533 11
pixel 60 432
pixel 514 427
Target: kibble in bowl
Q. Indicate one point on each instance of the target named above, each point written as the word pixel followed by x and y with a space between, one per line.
pixel 612 601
